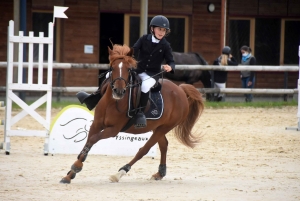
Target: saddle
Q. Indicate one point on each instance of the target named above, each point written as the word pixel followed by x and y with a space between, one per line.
pixel 154 108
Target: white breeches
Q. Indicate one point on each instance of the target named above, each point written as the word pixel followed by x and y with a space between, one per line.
pixel 147 83
pixel 220 85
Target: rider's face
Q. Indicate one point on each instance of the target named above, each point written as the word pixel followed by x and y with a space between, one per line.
pixel 159 32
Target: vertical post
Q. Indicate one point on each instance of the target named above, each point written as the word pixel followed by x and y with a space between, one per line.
pixel 144 17
pixel 41 59
pixel 223 24
pixel 9 80
pixel 49 83
pixel 298 87
pixel 16 31
pixel 298 114
pixel 20 60
pixel 30 59
pixel 50 54
pixel 23 19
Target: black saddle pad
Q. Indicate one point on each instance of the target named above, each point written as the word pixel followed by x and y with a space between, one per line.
pixel 156 106
pixel 155 111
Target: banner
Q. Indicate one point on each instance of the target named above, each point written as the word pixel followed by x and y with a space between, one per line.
pixel 70 128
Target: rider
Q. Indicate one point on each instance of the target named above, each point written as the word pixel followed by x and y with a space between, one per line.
pixel 150 51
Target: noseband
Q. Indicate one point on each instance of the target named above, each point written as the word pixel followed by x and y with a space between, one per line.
pixel 127 84
pixel 112 82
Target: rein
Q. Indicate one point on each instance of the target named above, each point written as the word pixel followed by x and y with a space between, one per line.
pixel 161 72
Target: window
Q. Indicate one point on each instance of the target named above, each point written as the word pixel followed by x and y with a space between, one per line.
pixel 291 42
pixel 267 41
pixel 239 35
pixel 264 36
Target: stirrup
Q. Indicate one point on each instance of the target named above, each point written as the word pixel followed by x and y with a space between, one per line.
pixel 140 120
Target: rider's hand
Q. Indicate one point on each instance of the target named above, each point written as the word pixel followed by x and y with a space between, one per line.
pixel 167 68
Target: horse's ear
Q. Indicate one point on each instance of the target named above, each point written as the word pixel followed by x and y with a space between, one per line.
pixel 109 50
pixel 130 53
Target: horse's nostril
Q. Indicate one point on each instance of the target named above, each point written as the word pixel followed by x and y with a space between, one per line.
pixel 119 91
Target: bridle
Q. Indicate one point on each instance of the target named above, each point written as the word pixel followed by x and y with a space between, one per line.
pixel 128 82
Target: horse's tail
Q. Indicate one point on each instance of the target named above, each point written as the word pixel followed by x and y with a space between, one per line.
pixel 183 132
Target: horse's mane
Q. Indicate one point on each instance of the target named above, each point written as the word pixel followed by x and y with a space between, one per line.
pixel 121 52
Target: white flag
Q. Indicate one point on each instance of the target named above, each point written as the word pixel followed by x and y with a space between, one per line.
pixel 59 12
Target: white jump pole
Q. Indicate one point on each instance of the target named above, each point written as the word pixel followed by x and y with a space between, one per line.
pixel 298 113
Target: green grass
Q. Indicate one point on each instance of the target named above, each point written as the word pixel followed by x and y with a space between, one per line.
pixel 216 105
pixel 264 104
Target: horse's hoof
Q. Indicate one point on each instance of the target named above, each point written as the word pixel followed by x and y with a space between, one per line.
pixel 73 174
pixel 65 181
pixel 156 177
pixel 114 178
pixel 117 177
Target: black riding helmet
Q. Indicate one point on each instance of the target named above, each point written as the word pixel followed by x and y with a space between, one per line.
pixel 160 21
pixel 226 50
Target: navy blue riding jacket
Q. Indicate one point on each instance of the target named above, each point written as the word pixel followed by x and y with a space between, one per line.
pixel 221 76
pixel 150 56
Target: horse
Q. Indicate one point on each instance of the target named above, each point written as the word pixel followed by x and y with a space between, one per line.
pixel 184 106
pixel 191 76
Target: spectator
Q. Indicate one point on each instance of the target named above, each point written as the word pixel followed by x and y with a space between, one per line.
pixel 220 77
pixel 247 77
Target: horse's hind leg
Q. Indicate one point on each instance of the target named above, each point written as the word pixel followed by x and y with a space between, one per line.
pixel 162 169
pixel 158 136
pixel 142 152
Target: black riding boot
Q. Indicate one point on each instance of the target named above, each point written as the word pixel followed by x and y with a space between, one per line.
pixel 90 100
pixel 140 119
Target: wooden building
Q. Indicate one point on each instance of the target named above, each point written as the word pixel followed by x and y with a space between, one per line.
pixel 270 27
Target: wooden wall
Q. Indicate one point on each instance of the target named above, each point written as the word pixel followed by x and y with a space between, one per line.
pixel 206 35
pixel 5 18
pixel 154 6
pixel 264 8
pixel 83 28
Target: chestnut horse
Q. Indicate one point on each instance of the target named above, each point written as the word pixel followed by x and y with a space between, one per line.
pixel 183 106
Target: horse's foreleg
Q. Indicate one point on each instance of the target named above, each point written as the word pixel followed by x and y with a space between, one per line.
pixel 95 134
pixel 78 164
pixel 162 169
